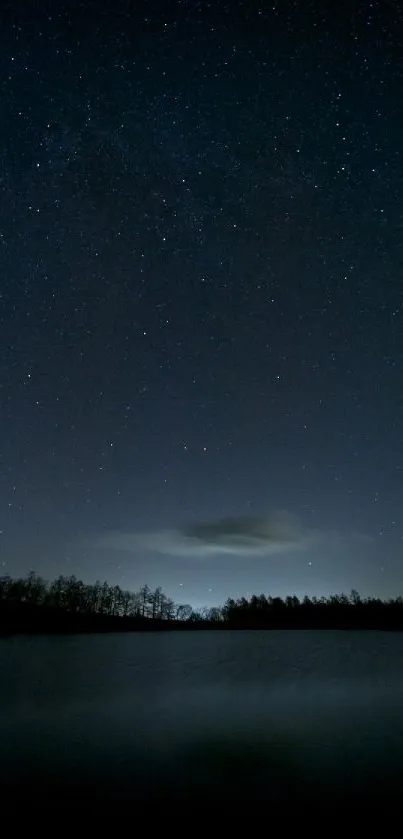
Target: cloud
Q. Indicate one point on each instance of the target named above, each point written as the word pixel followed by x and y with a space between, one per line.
pixel 276 533
pixel 244 535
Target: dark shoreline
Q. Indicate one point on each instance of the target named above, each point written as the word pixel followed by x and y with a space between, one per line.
pixel 25 619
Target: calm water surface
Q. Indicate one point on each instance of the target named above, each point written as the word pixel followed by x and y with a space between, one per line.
pixel 263 714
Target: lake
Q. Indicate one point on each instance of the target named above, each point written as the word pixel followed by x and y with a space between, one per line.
pixel 203 714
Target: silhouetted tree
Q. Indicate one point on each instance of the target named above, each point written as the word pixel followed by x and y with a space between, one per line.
pixel 5 583
pixel 168 609
pixel 145 593
pixel 35 588
pixel 156 600
pixel 183 612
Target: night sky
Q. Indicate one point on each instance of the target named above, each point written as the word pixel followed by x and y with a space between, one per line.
pixel 201 244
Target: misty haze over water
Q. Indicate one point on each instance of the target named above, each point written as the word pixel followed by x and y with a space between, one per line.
pixel 216 714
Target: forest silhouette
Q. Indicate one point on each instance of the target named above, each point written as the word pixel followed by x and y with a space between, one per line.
pixel 32 605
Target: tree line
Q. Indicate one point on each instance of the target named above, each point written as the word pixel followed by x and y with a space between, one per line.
pixel 75 596
pixel 69 604
pixel 338 611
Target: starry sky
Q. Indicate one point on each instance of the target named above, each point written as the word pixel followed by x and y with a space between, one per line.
pixel 201 245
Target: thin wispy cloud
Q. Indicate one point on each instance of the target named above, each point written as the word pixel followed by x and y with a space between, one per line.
pixel 276 533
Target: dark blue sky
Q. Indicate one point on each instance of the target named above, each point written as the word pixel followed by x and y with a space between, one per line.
pixel 201 291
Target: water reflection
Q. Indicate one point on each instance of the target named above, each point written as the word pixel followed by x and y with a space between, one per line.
pixel 207 714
